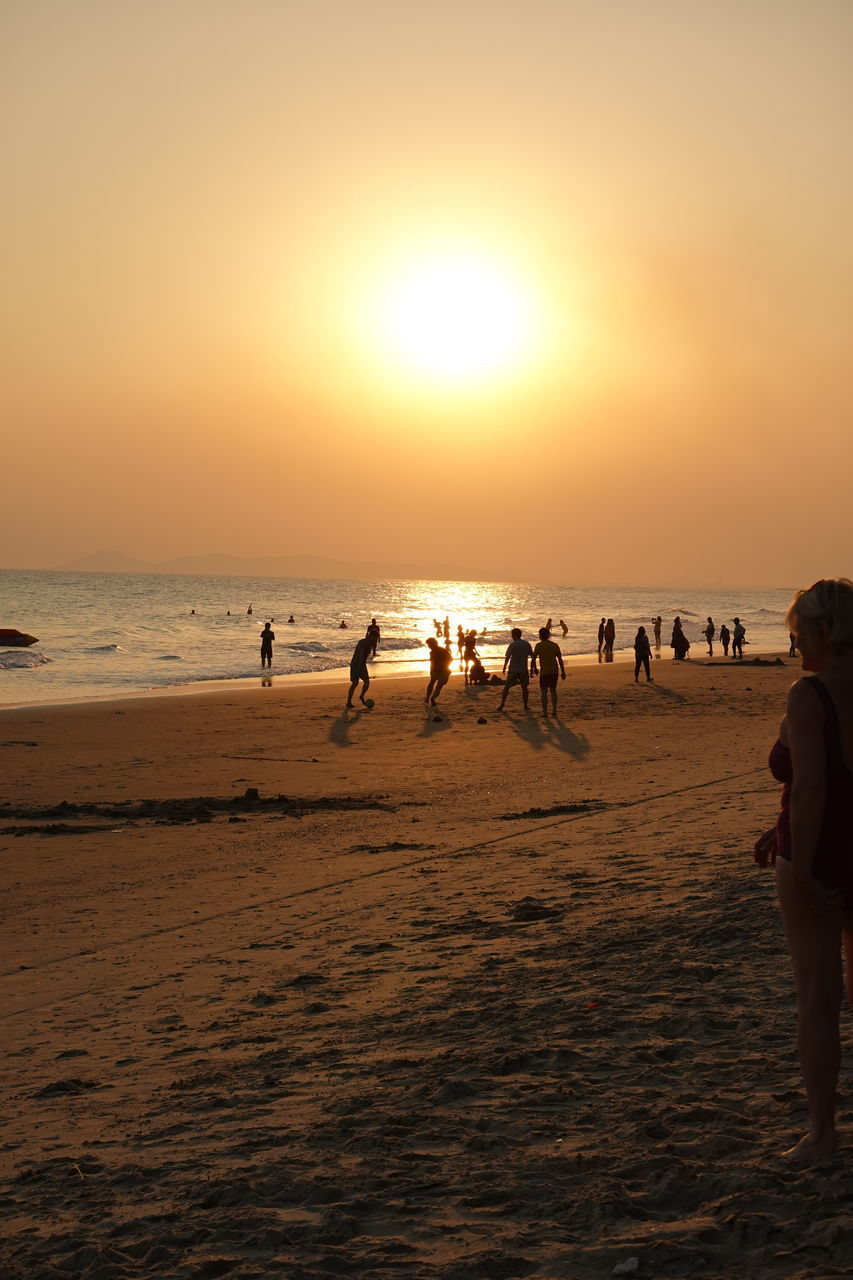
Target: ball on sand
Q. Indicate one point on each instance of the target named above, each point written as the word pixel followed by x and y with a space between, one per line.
pixel 368 702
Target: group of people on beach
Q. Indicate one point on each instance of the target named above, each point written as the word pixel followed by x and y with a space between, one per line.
pixel 679 643
pixel 811 843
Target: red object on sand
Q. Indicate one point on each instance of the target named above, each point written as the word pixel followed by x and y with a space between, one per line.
pixel 11 637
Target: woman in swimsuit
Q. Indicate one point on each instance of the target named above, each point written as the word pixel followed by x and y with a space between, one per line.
pixel 813 838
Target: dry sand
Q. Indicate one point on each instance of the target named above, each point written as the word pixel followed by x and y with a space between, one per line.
pixel 449 999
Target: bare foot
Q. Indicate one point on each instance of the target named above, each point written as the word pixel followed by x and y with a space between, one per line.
pixel 809 1149
pixel 351 707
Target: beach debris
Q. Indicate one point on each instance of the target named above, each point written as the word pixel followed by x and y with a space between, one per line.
pixel 558 810
pixel 626 1268
pixel 529 909
pixel 70 1086
pixel 482 720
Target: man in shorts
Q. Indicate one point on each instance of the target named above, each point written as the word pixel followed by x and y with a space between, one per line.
pixel 547 660
pixel 517 658
pixel 440 662
pixel 358 668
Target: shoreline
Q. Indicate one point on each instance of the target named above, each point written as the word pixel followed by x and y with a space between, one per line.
pixel 337 675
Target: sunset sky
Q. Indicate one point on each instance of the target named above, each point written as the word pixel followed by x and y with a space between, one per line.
pixel 558 290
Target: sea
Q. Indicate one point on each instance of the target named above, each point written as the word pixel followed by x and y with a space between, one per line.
pixel 109 635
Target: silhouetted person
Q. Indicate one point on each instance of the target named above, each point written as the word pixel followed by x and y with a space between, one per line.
pixel 267 637
pixel 737 639
pixel 517 657
pixel 469 652
pixel 710 632
pixel 564 628
pixel 547 660
pixel 601 627
pixel 642 653
pixel 725 637
pixel 343 625
pixel 679 642
pixel 249 612
pixel 656 626
pixel 375 636
pixel 446 629
pixel 440 662
pixel 609 639
pixel 358 669
pixel 460 641
pixel 291 619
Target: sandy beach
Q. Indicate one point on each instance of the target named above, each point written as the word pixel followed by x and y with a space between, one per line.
pixel 298 992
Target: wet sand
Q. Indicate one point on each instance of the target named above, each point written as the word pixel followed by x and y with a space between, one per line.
pixel 293 991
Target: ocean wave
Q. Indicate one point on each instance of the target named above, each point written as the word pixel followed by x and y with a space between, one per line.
pixel 106 648
pixel 169 657
pixel 401 642
pixel 307 646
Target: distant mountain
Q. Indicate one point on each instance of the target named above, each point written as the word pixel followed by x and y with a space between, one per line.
pixel 108 562
pixel 272 567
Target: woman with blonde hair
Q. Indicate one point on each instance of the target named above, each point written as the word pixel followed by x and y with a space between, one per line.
pixel 813 838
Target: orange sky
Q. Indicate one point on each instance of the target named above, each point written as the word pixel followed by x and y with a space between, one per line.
pixel 206 202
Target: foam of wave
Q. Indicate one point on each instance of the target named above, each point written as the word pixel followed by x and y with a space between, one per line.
pixel 21 660
pixel 106 648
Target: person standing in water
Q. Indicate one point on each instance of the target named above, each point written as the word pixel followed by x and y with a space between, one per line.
pixel 656 626
pixel 609 639
pixel 547 659
pixel 267 637
pixel 564 628
pixel 725 637
pixel 375 635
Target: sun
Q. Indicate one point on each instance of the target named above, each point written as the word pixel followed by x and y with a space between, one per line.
pixel 455 317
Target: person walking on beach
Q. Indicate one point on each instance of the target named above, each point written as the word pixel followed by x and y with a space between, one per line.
pixel 375 635
pixel 642 654
pixel 710 632
pixel 358 672
pixel 601 627
pixel 656 626
pixel 267 637
pixel 440 663
pixel 737 639
pixel 725 637
pixel 547 659
pixel 517 657
pixel 811 842
pixel 609 639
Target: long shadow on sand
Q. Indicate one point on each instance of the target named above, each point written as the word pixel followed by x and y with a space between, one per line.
pixel 539 733
pixel 339 732
pixel 432 724
pixel 663 692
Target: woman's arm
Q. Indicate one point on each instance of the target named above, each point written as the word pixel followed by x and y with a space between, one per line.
pixel 804 722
